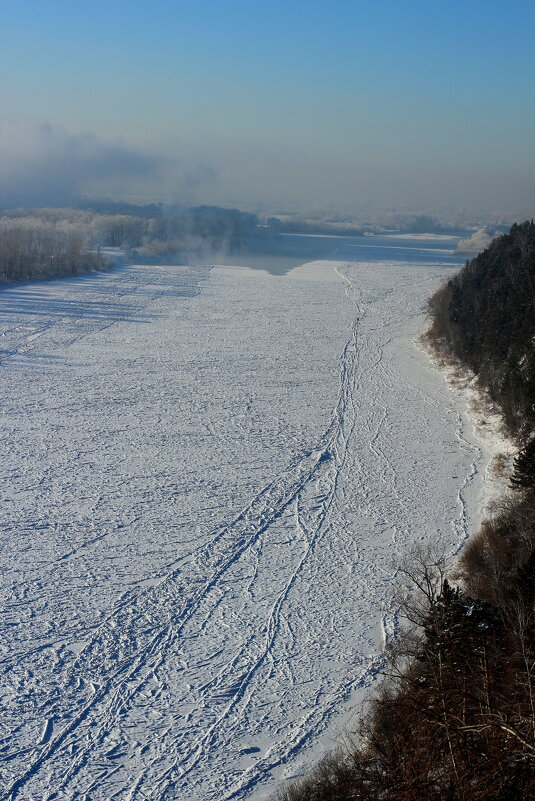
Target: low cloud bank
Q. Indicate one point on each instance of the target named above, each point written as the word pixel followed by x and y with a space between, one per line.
pixel 45 165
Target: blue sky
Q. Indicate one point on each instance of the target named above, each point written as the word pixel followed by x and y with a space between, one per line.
pixel 284 102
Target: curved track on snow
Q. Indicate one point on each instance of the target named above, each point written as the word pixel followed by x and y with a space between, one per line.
pixel 225 660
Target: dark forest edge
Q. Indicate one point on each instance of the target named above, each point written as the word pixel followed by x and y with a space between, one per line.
pixel 454 718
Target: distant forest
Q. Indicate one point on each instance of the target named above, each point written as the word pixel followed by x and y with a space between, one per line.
pixel 42 243
pixel 47 242
pixel 342 225
pixel 454 719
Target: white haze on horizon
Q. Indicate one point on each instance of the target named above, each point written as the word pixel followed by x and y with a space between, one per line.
pixel 43 164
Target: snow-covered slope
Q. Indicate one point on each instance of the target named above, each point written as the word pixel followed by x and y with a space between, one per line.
pixel 210 476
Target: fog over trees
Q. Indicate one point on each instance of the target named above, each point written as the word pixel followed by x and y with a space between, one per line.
pixel 41 243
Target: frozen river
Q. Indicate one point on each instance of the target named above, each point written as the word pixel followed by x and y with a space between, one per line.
pixel 209 476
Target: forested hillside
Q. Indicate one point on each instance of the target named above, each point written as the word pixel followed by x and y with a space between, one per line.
pixel 455 716
pixel 485 317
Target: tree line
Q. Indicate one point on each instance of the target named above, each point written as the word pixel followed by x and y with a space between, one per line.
pixel 32 249
pixel 41 243
pixel 485 317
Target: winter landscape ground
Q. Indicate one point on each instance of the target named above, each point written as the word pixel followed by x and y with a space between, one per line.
pixel 210 476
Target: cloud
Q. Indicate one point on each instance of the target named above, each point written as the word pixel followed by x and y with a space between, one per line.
pixel 479 240
pixel 45 165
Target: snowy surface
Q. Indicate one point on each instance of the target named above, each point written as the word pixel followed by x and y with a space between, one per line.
pixel 209 477
pixel 498 448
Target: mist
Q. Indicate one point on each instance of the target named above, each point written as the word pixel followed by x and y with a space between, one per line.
pixel 45 165
pixel 264 107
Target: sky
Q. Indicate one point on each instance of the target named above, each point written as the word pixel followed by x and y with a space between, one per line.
pixel 274 104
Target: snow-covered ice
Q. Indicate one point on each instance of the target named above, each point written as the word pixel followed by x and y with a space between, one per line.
pixel 209 477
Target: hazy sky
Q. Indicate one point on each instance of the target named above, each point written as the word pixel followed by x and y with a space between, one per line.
pixel 281 103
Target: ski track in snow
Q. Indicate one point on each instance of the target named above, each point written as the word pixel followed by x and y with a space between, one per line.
pixel 199 575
